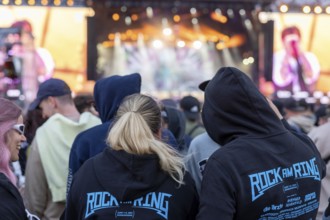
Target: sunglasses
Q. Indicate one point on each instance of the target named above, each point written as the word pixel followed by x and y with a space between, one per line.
pixel 19 128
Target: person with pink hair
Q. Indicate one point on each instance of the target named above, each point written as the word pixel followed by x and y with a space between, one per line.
pixel 11 138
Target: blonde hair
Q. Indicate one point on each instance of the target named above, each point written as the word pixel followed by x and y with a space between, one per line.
pixel 137 122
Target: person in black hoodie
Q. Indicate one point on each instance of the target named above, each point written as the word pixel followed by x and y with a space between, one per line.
pixel 263 170
pixel 139 177
pixel 108 94
pixel 11 138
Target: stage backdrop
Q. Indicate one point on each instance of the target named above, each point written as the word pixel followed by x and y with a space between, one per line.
pixel 62 31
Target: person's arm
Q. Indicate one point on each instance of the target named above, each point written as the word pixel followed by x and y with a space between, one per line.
pixel 35 183
pixel 310 66
pixel 217 199
pixel 326 215
pixel 282 72
pixel 192 165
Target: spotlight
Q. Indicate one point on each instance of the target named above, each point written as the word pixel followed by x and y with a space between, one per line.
pixel 318 9
pixel 134 17
pixel 18 2
pixel 149 12
pixel 230 13
pixel 242 12
pixel 44 2
pixel 221 45
pixel 167 31
pixel 218 11
pixel 176 18
pixel 5 2
pixel 327 10
pixel 197 44
pixel 115 17
pixel 284 8
pixel 181 43
pixel 157 44
pixel 70 2
pixel 123 8
pixel 128 20
pixel 193 11
pixel 31 2
pixel 57 2
pixel 194 21
pixel 306 9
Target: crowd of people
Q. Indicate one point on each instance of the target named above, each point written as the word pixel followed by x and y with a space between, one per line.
pixel 122 154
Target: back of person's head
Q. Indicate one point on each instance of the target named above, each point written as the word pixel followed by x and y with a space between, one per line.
pixel 322 115
pixel 136 130
pixel 294 106
pixel 109 92
pixel 24 24
pixel 9 113
pixel 169 103
pixel 175 121
pixel 83 102
pixel 33 120
pixel 191 107
pixel 52 88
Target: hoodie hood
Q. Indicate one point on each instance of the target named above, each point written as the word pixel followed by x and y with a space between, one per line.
pixel 234 107
pixel 134 174
pixel 109 93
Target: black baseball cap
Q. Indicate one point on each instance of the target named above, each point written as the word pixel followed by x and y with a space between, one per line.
pixel 51 87
pixel 191 107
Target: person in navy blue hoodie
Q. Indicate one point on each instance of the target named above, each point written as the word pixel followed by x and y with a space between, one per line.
pixel 263 170
pixel 138 177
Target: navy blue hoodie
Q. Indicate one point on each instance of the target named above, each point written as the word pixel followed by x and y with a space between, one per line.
pixel 108 94
pixel 118 185
pixel 263 170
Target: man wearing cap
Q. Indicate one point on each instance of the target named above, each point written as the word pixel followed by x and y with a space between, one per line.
pixel 191 108
pixel 263 170
pixel 47 165
pixel 299 115
pixel 200 149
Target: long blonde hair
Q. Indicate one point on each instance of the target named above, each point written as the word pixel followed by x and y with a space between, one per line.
pixel 137 123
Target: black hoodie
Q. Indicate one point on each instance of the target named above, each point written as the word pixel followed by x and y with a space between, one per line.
pixel 11 202
pixel 118 185
pixel 263 171
pixel 108 94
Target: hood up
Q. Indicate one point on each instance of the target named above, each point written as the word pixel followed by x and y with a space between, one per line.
pixel 129 176
pixel 109 93
pixel 234 107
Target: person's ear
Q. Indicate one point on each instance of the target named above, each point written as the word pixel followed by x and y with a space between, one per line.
pixel 53 101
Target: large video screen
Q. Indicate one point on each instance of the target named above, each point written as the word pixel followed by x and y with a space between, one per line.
pixel 300 58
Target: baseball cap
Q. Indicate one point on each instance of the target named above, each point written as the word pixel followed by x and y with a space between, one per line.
pixel 294 105
pixel 50 87
pixel 191 107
